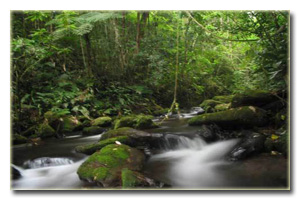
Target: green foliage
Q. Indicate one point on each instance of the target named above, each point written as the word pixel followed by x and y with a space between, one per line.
pixel 109 63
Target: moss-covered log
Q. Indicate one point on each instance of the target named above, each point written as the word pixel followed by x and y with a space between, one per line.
pixel 247 116
pixel 253 98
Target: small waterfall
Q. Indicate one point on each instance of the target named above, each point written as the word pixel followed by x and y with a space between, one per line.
pixel 193 162
pixel 61 174
pixel 172 142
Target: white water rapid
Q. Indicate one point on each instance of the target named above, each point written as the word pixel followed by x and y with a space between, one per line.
pixel 194 164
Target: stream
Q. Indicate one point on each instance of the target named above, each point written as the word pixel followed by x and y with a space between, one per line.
pixel 186 163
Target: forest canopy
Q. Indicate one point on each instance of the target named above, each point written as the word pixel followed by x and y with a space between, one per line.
pixel 97 63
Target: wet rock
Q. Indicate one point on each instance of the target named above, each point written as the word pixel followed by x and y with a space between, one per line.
pixel 208 133
pixel 102 121
pixel 93 130
pixel 253 98
pixel 252 144
pixel 113 166
pixel 247 116
pixel 18 139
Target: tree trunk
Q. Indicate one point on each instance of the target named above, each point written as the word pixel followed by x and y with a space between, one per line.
pixel 88 53
pixel 118 45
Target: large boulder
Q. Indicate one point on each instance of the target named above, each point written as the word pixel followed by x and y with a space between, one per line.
pixel 247 117
pixel 252 144
pixel 253 98
pixel 113 166
pixel 102 121
pixel 136 121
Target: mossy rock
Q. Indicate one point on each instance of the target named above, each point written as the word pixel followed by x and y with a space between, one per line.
pixel 102 121
pixel 92 148
pixel 70 123
pixel 223 99
pixel 45 130
pixel 105 167
pixel 247 117
pixel 93 130
pixel 253 98
pixel 209 105
pixel 136 121
pixel 62 123
pixel 222 107
pixel 18 139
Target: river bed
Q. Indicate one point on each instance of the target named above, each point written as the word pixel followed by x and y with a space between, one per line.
pixel 191 164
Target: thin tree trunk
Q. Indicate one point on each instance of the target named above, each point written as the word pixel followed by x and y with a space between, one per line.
pixel 83 57
pixel 118 45
pixel 138 33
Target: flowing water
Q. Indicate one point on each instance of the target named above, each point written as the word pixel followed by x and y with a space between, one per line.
pixel 183 161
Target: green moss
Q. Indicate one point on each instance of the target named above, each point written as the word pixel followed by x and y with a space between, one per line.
pixel 247 116
pixel 144 122
pixel 45 130
pixel 91 148
pixel 102 121
pixel 93 130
